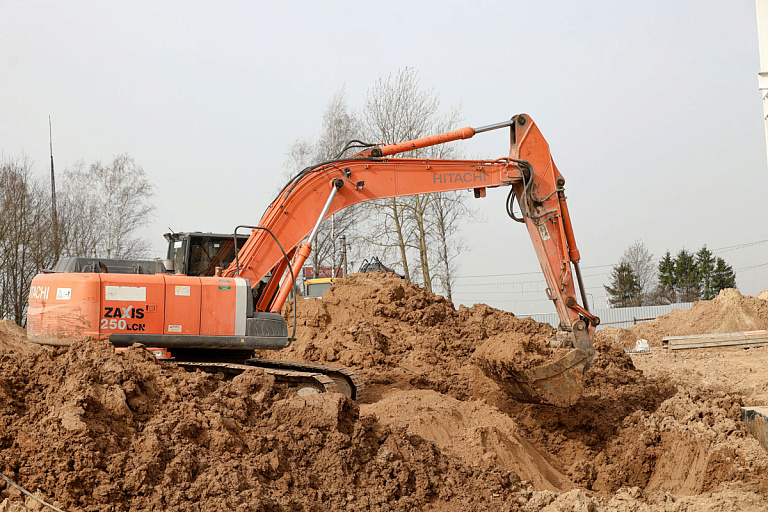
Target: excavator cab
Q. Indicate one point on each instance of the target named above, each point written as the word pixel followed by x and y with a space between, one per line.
pixel 198 254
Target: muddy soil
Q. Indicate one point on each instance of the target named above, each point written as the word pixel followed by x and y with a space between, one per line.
pixel 97 430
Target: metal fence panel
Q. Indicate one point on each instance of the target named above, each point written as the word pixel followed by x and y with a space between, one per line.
pixel 618 317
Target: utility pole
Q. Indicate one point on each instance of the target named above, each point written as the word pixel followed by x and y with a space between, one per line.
pixel 344 254
pixel 333 247
pixel 54 216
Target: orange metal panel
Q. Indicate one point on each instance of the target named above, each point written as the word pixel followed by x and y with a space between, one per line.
pixel 218 305
pixel 291 217
pixel 131 303
pixel 63 308
pixel 182 305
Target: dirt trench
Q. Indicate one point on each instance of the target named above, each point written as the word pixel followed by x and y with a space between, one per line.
pixel 97 430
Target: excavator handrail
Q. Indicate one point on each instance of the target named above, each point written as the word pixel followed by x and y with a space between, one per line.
pixel 285 257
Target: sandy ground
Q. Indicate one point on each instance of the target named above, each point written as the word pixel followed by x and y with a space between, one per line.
pixel 743 372
pixel 94 430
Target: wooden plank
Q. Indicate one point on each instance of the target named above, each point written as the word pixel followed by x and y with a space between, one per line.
pixel 719 335
pixel 732 339
pixel 717 341
pixel 730 344
pixel 749 334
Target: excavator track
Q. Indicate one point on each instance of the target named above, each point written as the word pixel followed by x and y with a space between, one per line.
pixel 303 375
pixel 349 382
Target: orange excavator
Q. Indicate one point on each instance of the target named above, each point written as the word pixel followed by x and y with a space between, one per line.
pixel 214 317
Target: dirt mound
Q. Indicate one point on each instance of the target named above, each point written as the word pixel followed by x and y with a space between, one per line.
pixel 730 311
pixel 735 371
pixel 97 430
pixel 385 327
pixel 690 445
pixel 14 338
pixel 629 430
pixel 614 390
pixel 398 335
pixel 481 435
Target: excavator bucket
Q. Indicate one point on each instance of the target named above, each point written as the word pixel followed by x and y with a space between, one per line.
pixel 559 383
pixel 531 373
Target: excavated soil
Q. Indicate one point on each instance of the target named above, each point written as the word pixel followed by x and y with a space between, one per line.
pixel 97 430
pixel 400 336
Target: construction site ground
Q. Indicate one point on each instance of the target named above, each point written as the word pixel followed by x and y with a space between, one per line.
pixel 86 428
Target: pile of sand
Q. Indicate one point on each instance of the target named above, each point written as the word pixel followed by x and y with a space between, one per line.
pixel 13 338
pixel 576 444
pixel 397 335
pixel 96 430
pixel 730 311
pixel 479 435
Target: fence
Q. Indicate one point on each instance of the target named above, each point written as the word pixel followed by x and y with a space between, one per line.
pixel 618 317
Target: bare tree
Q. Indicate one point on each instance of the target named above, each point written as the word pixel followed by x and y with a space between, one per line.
pixel 104 208
pixel 640 262
pixel 79 213
pixel 448 209
pixel 99 211
pixel 424 227
pixel 340 125
pixel 26 237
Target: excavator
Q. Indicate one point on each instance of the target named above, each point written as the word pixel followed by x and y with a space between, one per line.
pixel 213 310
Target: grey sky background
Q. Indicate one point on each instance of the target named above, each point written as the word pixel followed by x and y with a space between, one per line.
pixel 651 110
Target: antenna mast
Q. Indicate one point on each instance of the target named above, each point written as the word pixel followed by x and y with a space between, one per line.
pixel 54 216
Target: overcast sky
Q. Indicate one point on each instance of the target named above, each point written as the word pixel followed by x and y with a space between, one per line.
pixel 651 110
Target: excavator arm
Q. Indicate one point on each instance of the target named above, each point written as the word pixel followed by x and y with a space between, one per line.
pixel 283 240
pixel 327 188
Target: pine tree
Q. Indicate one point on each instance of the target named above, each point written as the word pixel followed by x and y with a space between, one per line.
pixel 665 292
pixel 686 275
pixel 625 290
pixel 705 267
pixel 723 276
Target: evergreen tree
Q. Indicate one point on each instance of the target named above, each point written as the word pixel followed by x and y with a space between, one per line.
pixel 723 276
pixel 686 275
pixel 705 265
pixel 665 292
pixel 625 290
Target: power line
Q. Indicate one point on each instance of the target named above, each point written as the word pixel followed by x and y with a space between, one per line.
pixel 740 246
pixel 513 274
pixel 750 267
